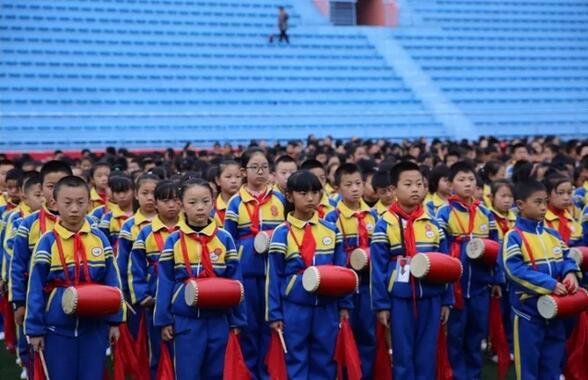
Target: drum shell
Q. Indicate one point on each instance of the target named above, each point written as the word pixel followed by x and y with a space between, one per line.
pixel 213 293
pixel 92 300
pixel 440 268
pixel 330 280
pixel 552 306
pixel 580 256
pixel 359 259
pixel 483 250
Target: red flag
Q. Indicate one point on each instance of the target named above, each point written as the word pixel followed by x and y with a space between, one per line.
pixel 275 359
pixel 498 339
pixel 346 353
pixel 141 351
pixel 383 364
pixel 9 325
pixel 38 371
pixel 118 365
pixel 444 371
pixel 126 349
pixel 235 367
pixel 165 368
pixel 577 349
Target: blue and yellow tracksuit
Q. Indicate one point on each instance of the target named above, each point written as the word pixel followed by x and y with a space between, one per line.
pixel 310 321
pixel 362 318
pixel 581 196
pixel 219 211
pixel 575 228
pixel 380 208
pixel 433 204
pixel 10 223
pixel 414 305
pixel 533 269
pixel 98 213
pixel 96 201
pixel 142 281
pixel 111 224
pixel 468 321
pixel 255 338
pixel 74 346
pixel 200 335
pixel 325 205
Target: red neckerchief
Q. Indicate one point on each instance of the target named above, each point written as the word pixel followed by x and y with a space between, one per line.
pixel 502 222
pixel 564 227
pixel 321 210
pixel 10 205
pixel 464 235
pixel 160 244
pixel 308 247
pixel 363 239
pixel 43 216
pixel 203 240
pixel 80 259
pixel 221 213
pixel 527 247
pixel 257 201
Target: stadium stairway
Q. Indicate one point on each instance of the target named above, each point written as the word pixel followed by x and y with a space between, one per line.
pixel 156 73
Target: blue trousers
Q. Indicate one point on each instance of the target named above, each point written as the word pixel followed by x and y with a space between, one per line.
pixel 199 347
pixel 363 323
pixel 310 333
pixel 154 339
pixel 465 331
pixel 22 347
pixel 539 348
pixel 256 335
pixel 79 358
pixel 414 337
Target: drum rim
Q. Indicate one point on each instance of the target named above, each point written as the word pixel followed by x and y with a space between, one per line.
pixel 578 255
pixel 269 239
pixel 544 300
pixel 317 275
pixel 427 261
pixel 362 253
pixel 71 308
pixel 469 248
pixel 194 288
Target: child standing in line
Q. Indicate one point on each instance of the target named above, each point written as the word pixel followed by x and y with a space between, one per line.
pixel 123 192
pixel 439 189
pixel 383 187
pixel 315 167
pixel 228 181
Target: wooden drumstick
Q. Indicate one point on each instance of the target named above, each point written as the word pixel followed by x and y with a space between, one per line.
pixel 130 308
pixel 44 364
pixel 282 341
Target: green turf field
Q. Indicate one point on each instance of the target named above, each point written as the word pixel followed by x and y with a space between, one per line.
pixel 10 371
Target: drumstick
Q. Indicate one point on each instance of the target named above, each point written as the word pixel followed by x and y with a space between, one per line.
pixel 44 364
pixel 130 308
pixel 388 340
pixel 282 341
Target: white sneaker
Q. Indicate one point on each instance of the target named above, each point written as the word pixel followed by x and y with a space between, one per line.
pixel 108 351
pixel 484 345
pixel 23 374
pixel 494 359
pixel 1 335
pixel 512 357
pixel 562 377
pixel 18 362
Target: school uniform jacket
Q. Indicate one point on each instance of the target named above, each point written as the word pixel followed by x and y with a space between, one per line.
pixel 111 224
pixel 11 222
pixel 128 233
pixel 47 281
pixel 503 222
pixel 552 221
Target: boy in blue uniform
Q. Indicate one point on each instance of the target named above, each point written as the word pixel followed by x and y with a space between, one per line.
pixel 73 253
pixel 412 309
pixel 356 221
pixel 462 219
pixel 536 262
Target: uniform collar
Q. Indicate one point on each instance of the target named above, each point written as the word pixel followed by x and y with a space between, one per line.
pixel 380 208
pixel 209 230
pixel 437 200
pixel 391 217
pixel 24 208
pixel 325 199
pixel 528 225
pixel 140 218
pixel 550 216
pixel 510 215
pixel 157 224
pixel 300 224
pixel 64 233
pixel 347 212
pixel 220 204
pixel 247 197
pixel 117 212
pixel 94 196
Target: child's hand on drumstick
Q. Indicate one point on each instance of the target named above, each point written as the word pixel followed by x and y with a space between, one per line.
pixel 113 334
pixel 236 331
pixel 560 289
pixel 343 315
pixel 384 317
pixel 445 310
pixel 496 291
pixel 37 342
pixel 571 282
pixel 277 325
pixel 147 301
pixel 167 333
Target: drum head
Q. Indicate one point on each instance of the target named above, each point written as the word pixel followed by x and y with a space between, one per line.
pixel 358 259
pixel 576 255
pixel 475 248
pixel 69 300
pixel 261 242
pixel 191 293
pixel 547 307
pixel 311 279
pixel 420 265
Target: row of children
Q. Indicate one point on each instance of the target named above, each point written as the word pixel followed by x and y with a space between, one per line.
pixel 159 234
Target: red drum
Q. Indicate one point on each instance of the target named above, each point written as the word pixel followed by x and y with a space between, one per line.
pixel 213 293
pixel 359 258
pixel 262 240
pixel 330 280
pixel 553 306
pixel 436 268
pixel 91 300
pixel 580 256
pixel 485 250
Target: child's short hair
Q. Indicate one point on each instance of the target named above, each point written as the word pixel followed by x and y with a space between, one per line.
pixel 97 165
pixel 500 183
pixel 401 167
pixel 14 174
pixel 460 167
pixel 55 166
pixel 23 178
pixel 30 179
pixel 345 169
pixel 120 183
pixel 284 159
pixel 525 188
pixel 303 180
pixel 552 182
pixel 191 182
pixel 166 190
pixel 70 181
pixel 248 154
pixel 312 163
pixel 146 178
pixel 438 172
pixel 381 179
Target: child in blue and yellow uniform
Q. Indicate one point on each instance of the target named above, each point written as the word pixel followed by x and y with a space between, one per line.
pixel 356 221
pixel 462 219
pixel 325 205
pixel 439 189
pixel 309 322
pixel 536 262
pixel 384 190
pixel 143 261
pixel 72 253
pixel 254 208
pixel 100 192
pixel 228 181
pixel 284 167
pixel 198 249
pixel 558 217
pixel 123 191
pixel 412 309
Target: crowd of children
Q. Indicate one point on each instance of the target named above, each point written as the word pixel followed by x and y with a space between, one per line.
pixel 148 224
